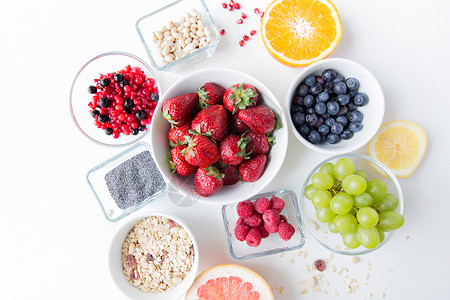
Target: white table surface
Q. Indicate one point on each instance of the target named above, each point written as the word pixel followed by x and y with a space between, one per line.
pixel 54 239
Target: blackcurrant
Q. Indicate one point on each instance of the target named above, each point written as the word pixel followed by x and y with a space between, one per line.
pixel 108 131
pixel 104 102
pixel 118 77
pixel 103 82
pixel 155 97
pixel 128 103
pixel 140 114
pixel 123 83
pixel 92 89
pixel 103 118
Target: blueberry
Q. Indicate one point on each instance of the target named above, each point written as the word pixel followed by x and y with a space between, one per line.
pixel 92 89
pixel 103 82
pixel 310 110
pixel 343 99
pixel 140 114
pixel 352 84
pixel 314 137
pixel 329 122
pixel 311 119
pixel 297 108
pixel 355 126
pixel 346 134
pixel 340 88
pixel 329 74
pixel 342 119
pixel 309 101
pixel 328 87
pixel 361 99
pixel 108 131
pixel 352 93
pixel 95 113
pixel 297 100
pixel 102 118
pixel 302 90
pixel 303 130
pixel 320 108
pixel 323 97
pixel 128 103
pixel 316 89
pixel 342 110
pixel 352 106
pixel 339 77
pixel 320 121
pixel 134 131
pixel 355 116
pixel 332 138
pixel 123 83
pixel 118 77
pixel 320 80
pixel 310 80
pixel 154 97
pixel 104 102
pixel 142 127
pixel 326 115
pixel 298 119
pixel 337 128
pixel 332 107
pixel 323 129
pixel 323 138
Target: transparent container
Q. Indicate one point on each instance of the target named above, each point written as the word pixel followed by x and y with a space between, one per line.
pixel 96 178
pixel 155 21
pixel 273 243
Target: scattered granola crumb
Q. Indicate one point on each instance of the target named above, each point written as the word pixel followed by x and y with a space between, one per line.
pixel 274 289
pixel 333 268
pixel 280 290
pixel 303 282
pixel 354 259
pixel 371 294
pixel 336 294
pixel 383 295
pixel 304 291
pixel 312 282
pixel 292 261
pixel 305 254
pixel 369 263
pixel 282 254
pixel 327 283
pixel 407 237
pixel 300 253
pixel 331 256
pixel 313 224
pixel 317 289
pixel 325 292
pixel 366 277
pixel 308 268
pixel 390 270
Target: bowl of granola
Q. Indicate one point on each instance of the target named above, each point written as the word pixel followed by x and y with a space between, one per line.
pixel 153 256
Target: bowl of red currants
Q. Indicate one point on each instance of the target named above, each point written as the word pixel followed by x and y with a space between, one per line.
pixel 352 204
pixel 113 97
pixel 335 106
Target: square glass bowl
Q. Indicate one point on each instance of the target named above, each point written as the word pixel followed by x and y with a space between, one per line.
pixel 157 20
pixel 108 181
pixel 273 243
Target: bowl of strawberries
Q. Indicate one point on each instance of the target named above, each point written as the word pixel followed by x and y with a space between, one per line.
pixel 218 136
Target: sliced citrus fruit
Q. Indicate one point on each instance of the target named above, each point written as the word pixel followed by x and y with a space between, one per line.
pixel 400 145
pixel 300 32
pixel 230 282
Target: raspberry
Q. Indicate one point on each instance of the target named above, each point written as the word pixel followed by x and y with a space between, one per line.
pixel 283 218
pixel 240 221
pixel 244 209
pixel 253 237
pixel 241 231
pixel 271 217
pixel 286 231
pixel 264 233
pixel 254 220
pixel 261 205
pixel 271 228
pixel 276 203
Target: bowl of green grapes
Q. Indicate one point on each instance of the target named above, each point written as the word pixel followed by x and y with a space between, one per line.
pixel 352 204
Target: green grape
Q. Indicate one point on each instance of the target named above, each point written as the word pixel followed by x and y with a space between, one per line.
pixel 332 228
pixel 390 220
pixel 325 214
pixel 350 239
pixel 352 212
pixel 367 217
pixel 343 168
pixel 310 191
pixel 341 203
pixel 322 181
pixel 381 233
pixel 387 203
pixel 327 168
pixel 377 188
pixel 345 223
pixel 363 175
pixel 362 200
pixel 368 237
pixel 354 184
pixel 321 198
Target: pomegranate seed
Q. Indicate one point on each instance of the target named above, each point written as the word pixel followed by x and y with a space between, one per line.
pixel 261 14
pixel 241 43
pixel 230 7
pixel 240 21
pixel 222 32
pixel 246 38
pixel 244 16
pixel 253 32
pixel 237 5
pixel 257 11
pixel 319 265
pixel 224 5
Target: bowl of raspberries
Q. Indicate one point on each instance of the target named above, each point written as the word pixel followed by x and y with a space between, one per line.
pixel 266 224
pixel 335 106
pixel 218 136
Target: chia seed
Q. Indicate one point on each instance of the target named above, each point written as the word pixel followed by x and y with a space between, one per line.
pixel 134 180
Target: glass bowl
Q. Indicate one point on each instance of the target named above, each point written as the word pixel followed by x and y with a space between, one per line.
pixel 80 97
pixel 333 241
pixel 273 243
pixel 132 169
pixel 158 21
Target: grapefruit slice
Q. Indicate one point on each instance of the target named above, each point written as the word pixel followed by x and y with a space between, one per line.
pixel 229 282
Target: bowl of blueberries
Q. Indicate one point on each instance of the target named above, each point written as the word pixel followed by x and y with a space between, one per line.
pixel 335 106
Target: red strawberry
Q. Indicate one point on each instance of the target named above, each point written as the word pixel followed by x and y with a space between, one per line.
pixel 258 143
pixel 178 163
pixel 232 149
pixel 240 96
pixel 212 121
pixel 250 170
pixel 177 110
pixel 177 133
pixel 201 151
pixel 207 181
pixel 209 94
pixel 231 174
pixel 259 119
pixel 236 125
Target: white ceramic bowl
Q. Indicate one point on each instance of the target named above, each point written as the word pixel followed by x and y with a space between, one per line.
pixel 373 111
pixel 115 262
pixel 160 146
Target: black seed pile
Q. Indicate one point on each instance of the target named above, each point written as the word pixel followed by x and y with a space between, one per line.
pixel 134 180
